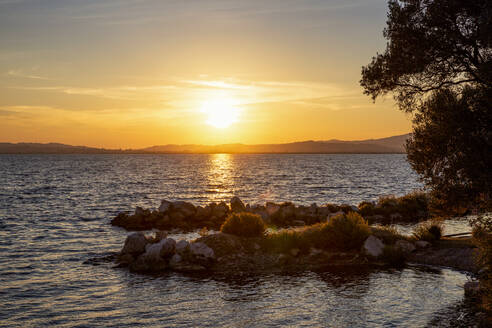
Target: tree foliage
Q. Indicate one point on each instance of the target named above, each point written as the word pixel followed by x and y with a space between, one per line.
pixel 438 66
pixel 432 44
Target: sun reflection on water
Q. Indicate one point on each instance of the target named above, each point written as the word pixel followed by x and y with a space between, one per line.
pixel 220 177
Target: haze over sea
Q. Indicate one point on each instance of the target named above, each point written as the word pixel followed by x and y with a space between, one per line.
pixel 55 212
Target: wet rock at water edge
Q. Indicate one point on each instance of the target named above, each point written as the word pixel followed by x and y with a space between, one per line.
pixel 237 205
pixel 405 246
pixel 135 244
pixel 373 246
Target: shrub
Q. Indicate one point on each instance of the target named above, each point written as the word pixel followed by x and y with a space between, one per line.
pixel 345 231
pixel 393 256
pixel 244 225
pixel 287 239
pixel 429 230
pixel 366 208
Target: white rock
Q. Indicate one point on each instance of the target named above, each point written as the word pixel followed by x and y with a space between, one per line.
pixel 153 252
pixel 405 246
pixel 135 244
pixel 168 247
pixel 373 246
pixel 202 251
pixel 182 247
pixel 422 244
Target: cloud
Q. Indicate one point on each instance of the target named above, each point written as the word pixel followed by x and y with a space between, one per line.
pixel 17 73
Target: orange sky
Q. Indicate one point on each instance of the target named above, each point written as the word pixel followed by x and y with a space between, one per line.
pixel 138 73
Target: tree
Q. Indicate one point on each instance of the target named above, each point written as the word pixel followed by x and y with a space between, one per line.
pixel 438 66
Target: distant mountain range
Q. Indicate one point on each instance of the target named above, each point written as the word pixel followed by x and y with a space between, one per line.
pixel 393 144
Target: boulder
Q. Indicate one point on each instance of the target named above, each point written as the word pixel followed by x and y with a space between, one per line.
pixel 223 244
pixel 175 260
pixel 422 244
pixel 187 209
pixel 405 246
pixel 153 252
pixel 168 246
pixel 182 247
pixel 220 210
pixel 294 252
pixel 271 208
pixel 373 246
pixel 160 235
pixel 237 205
pixel 139 211
pixel 201 253
pixel 354 208
pixel 165 206
pixel 135 244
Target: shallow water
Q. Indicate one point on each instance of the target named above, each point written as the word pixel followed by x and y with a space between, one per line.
pixel 55 212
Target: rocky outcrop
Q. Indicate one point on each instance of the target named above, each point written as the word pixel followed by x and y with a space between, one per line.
pixel 186 216
pixel 165 254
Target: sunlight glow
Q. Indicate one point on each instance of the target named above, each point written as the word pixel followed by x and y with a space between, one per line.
pixel 221 112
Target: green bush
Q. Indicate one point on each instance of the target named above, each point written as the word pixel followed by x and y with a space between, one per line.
pixel 429 230
pixel 244 225
pixel 345 231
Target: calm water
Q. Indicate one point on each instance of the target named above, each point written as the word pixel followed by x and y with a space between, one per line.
pixel 55 212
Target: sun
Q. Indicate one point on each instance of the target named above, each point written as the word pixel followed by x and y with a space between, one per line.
pixel 221 112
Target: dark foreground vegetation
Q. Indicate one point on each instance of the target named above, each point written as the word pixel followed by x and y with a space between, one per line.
pixel 438 66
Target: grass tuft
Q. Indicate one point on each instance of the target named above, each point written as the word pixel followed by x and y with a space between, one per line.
pixel 244 224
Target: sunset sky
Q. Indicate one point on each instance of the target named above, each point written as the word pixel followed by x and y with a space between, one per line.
pixel 136 73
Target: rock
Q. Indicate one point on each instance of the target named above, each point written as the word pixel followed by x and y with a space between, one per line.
pixel 220 210
pixel 135 244
pixel 354 208
pixel 153 252
pixel 202 254
pixel 237 205
pixel 150 261
pixel 165 206
pixel 182 247
pixel 187 209
pixel 139 211
pixel 294 252
pixel 405 246
pixel 175 260
pixel 472 289
pixel 373 246
pixel 422 244
pixel 223 244
pixel 168 247
pixel 272 208
pixel 125 260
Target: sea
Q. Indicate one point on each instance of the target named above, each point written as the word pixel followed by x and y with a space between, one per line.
pixel 55 213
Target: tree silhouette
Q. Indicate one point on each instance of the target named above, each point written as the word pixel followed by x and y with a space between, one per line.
pixel 438 66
